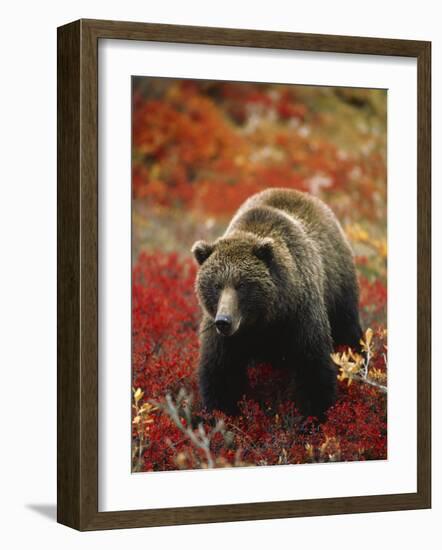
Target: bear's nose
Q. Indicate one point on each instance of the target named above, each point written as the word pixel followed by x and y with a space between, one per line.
pixel 223 324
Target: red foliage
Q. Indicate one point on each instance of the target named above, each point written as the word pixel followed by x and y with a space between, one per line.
pixel 373 299
pixel 191 150
pixel 269 430
pixel 164 324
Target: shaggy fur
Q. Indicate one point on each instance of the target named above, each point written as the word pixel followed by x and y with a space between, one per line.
pixel 290 276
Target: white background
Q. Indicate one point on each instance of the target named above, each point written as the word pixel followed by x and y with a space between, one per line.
pixel 28 276
pixel 118 489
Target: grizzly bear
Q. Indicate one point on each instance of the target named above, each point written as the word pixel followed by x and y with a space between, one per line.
pixel 278 287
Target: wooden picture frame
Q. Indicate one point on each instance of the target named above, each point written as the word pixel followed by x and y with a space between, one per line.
pixel 77 460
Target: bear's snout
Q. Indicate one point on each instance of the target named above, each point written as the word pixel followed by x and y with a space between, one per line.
pixel 227 319
pixel 223 324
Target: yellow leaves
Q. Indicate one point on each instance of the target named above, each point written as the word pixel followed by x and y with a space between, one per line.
pixel 142 418
pixel 310 450
pixel 378 375
pixel 355 366
pixel 366 341
pixel 358 234
pixel 381 246
pixel 147 408
pixel 283 457
pixel 330 449
pixel 139 418
pixel 138 394
pixel 368 337
pixel 181 461
pixel 143 412
pixel 349 363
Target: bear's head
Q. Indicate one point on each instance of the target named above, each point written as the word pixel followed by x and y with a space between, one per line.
pixel 236 283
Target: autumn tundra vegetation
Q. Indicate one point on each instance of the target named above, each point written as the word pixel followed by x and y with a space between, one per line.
pixel 200 148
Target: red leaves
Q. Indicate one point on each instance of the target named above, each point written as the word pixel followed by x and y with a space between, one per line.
pixel 269 429
pixel 164 323
pixel 198 140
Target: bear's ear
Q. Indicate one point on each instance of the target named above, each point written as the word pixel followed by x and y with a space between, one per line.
pixel 264 250
pixel 202 250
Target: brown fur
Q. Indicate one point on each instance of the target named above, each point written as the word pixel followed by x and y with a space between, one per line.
pixel 288 268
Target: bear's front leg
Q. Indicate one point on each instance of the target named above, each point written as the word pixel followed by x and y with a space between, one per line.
pixel 222 372
pixel 314 372
pixel 315 384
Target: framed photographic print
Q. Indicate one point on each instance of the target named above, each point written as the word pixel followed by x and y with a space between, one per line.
pixel 243 275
